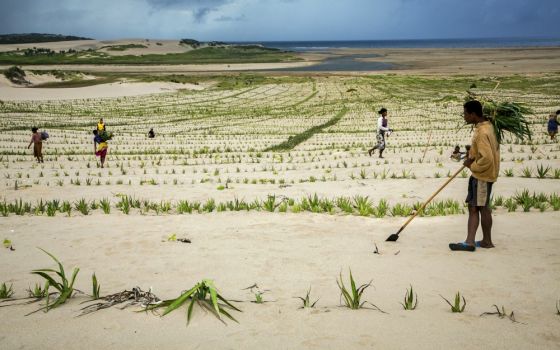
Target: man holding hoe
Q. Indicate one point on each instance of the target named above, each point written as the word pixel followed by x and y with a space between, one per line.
pixel 484 162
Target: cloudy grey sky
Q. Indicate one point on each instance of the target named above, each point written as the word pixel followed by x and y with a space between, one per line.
pixel 254 20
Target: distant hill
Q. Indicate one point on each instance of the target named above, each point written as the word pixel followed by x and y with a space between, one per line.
pixel 36 38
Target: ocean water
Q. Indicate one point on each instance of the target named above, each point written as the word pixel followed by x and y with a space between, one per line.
pixel 420 43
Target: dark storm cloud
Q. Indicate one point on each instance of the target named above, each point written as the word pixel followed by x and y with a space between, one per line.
pixel 199 8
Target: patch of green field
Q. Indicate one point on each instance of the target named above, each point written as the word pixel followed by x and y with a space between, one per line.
pixel 295 140
pixel 124 47
pixel 206 55
pixel 74 83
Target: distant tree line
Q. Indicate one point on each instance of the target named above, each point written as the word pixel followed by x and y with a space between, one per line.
pixel 36 38
pixel 195 43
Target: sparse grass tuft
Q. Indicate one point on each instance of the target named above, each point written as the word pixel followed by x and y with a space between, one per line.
pixel 307 300
pixel 456 307
pixel 353 297
pixel 65 287
pixel 410 300
pixel 206 295
pixel 5 291
pixel 96 287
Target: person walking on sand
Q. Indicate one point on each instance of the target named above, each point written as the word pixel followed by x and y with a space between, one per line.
pixel 101 125
pixel 553 125
pixel 484 162
pixel 382 129
pixel 99 147
pixel 37 143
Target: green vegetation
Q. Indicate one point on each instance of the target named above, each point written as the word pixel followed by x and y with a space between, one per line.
pixel 64 287
pixel 36 38
pixel 16 75
pixel 295 140
pixel 353 297
pixel 96 287
pixel 505 116
pixel 124 47
pixel 206 55
pixel 205 295
pixel 38 292
pixel 410 300
pixel 358 205
pixel 307 300
pixel 456 306
pixel 5 291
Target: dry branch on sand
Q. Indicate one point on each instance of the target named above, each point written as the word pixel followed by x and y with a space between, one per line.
pixel 134 297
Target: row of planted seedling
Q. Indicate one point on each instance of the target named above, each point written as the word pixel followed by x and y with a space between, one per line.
pixel 357 205
pixel 59 288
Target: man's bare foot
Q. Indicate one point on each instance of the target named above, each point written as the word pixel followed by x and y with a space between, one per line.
pixel 483 244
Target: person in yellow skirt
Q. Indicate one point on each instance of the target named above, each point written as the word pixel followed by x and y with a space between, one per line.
pixel 100 147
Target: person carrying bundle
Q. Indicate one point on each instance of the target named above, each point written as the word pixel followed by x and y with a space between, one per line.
pixel 100 146
pixel 382 130
pixel 484 162
pixel 553 125
pixel 37 142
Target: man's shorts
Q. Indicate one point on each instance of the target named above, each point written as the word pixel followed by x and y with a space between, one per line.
pixel 478 193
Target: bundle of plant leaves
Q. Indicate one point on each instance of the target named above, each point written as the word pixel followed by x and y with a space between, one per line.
pixel 106 135
pixel 505 117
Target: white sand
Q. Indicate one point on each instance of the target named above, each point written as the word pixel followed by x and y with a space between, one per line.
pixel 288 254
pixel 10 92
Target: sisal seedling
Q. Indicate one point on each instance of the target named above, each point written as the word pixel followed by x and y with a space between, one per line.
pixel 456 307
pixel 5 291
pixel 526 172
pixel 542 171
pixel 82 206
pixel 270 203
pixel 363 205
pixel 96 287
pixel 508 172
pixel 554 201
pixel 307 300
pixel 353 297
pixel 38 292
pixel 65 287
pixel 67 207
pixel 510 204
pixel 105 205
pixel 410 300
pixel 204 294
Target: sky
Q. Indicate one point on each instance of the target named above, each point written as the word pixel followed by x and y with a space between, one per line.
pixel 278 20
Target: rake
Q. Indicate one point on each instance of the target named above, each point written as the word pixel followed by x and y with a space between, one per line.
pixel 395 236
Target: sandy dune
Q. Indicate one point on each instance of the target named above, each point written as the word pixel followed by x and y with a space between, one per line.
pixel 152 46
pixel 9 92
